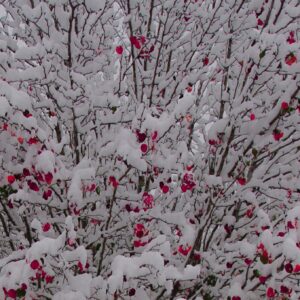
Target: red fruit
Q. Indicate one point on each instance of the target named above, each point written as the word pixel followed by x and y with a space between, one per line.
pixel 189 168
pixel 252 117
pixel 10 179
pixel 228 228
pixel 236 298
pixel 35 264
pixel 134 41
pixel 92 187
pixel 140 136
pixel 39 177
pixel 212 142
pixel 137 244
pixel 241 181
pixel 48 178
pixel 139 234
pixel 154 135
pixel 128 207
pixel 183 188
pixel 49 278
pixel 10 204
pixel 142 39
pixel 32 141
pixel 277 134
pixel 297 268
pixel 260 22
pixel 290 225
pixel 52 114
pixel 205 61
pixel 148 199
pixel 144 148
pixel 20 139
pixel 184 250
pixel 33 186
pixel 131 292
pixel 113 181
pixel 27 114
pixel 229 265
pixel 291 40
pixel 248 261
pixel 290 59
pixel 26 172
pixel 165 189
pixel 281 234
pixel 119 50
pixel 136 210
pixel 47 194
pixel 270 292
pixel 24 286
pixel 46 227
pixel 249 213
pixel 284 290
pixel 262 279
pixel 284 105
pixel 10 293
pixel 189 89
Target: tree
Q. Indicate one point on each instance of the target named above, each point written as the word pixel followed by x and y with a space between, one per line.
pixel 149 149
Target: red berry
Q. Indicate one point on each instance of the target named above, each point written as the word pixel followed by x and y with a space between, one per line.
pixel 288 268
pixel 277 134
pixel 32 141
pixel 49 278
pixel 11 293
pixel 260 22
pixel 290 59
pixel 297 268
pixel 10 179
pixel 284 105
pixel 139 234
pixel 184 250
pixel 165 189
pixel 131 292
pixel 262 279
pixel 205 61
pixel 144 148
pixel 20 139
pixel 154 135
pixel 252 117
pixel 249 213
pixel 46 227
pixel 10 204
pixel 34 265
pixel 119 50
pixel 284 290
pixel 26 172
pixel 48 177
pixel 33 186
pixel 270 292
pixel 241 181
pixel 290 225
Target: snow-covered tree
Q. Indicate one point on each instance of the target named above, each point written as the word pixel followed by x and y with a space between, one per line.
pixel 149 149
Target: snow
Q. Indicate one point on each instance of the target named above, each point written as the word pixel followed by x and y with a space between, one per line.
pixel 4 106
pixel 67 295
pixel 45 162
